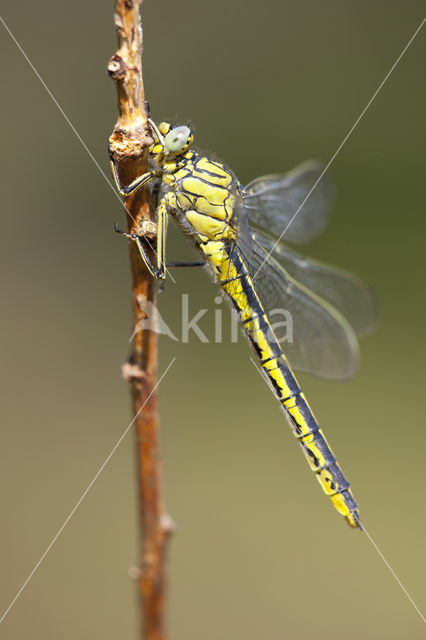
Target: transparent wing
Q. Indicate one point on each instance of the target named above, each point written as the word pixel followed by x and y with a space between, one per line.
pixel 241 225
pixel 345 292
pixel 314 336
pixel 272 201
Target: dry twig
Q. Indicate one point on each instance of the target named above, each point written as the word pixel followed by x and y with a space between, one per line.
pixel 129 144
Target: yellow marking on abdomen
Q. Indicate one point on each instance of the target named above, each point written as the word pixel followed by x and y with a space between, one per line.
pixel 285 386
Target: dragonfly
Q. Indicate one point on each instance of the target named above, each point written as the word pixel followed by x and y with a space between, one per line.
pixel 238 232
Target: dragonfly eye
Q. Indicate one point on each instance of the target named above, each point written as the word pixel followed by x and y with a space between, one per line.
pixel 177 139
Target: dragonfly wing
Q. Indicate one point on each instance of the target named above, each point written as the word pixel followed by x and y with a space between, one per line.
pixel 347 293
pixel 314 336
pixel 293 204
pixel 241 225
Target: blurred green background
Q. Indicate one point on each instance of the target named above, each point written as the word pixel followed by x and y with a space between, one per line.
pixel 259 552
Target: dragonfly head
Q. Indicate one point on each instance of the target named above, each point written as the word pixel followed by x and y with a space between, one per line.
pixel 172 141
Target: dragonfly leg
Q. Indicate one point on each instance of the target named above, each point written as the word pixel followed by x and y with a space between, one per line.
pixel 161 238
pixel 158 270
pixel 200 263
pixel 133 186
pixel 133 236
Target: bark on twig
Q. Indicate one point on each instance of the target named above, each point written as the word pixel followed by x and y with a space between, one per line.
pixel 129 144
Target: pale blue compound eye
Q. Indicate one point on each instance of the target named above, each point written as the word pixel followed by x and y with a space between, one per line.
pixel 177 138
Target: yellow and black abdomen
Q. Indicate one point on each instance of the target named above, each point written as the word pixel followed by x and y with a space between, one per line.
pixel 236 281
